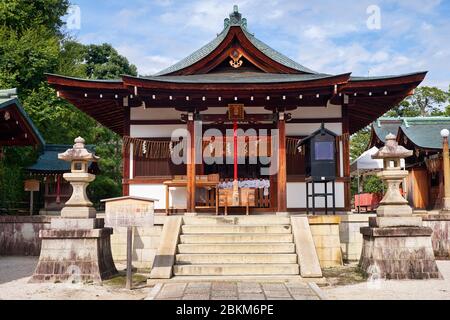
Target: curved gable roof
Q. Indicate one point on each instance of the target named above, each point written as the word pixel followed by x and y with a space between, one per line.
pixel 235 20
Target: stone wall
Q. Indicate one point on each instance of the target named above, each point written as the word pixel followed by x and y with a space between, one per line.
pixel 325 232
pixel 440 238
pixel 19 236
pixel 350 234
pixel 145 244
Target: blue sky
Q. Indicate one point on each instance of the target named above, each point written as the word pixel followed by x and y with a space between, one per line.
pixel 326 36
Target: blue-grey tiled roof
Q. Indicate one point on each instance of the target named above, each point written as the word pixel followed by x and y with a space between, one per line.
pixel 48 161
pixel 245 77
pixel 355 78
pixel 424 132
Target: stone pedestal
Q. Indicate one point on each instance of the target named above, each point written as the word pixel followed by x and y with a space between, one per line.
pixel 73 252
pixel 398 253
pixel 396 245
pixel 440 239
pixel 77 246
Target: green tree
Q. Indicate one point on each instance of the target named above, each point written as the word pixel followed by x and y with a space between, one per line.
pixel 426 101
pixel 359 142
pixel 23 15
pixel 32 43
pixel 104 62
pixel 26 56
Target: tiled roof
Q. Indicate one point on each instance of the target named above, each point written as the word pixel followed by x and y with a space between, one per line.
pixel 355 79
pixel 234 20
pixel 249 77
pixel 424 132
pixel 48 161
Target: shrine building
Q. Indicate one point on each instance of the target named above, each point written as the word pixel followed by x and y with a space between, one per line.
pixel 235 82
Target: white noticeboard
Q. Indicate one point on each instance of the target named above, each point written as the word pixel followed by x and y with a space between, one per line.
pixel 129 212
pixel 129 215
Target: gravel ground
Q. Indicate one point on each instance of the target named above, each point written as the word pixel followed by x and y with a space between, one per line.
pixel 396 289
pixel 15 272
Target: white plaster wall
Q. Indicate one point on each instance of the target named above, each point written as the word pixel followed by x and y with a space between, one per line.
pixel 331 111
pixel 304 129
pixel 177 196
pixel 296 195
pixel 154 131
pixel 154 114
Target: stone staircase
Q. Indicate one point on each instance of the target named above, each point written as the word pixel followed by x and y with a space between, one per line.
pixel 236 246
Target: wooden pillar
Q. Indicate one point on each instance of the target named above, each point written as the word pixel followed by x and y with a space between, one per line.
pixel 346 153
pixel 190 167
pixel 446 170
pixel 125 151
pixel 281 184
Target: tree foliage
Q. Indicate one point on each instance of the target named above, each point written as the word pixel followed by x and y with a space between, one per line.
pixel 22 15
pixel 31 44
pixel 426 101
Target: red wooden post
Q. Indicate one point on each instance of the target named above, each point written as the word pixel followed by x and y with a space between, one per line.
pixel 235 137
pixel 282 179
pixel 191 165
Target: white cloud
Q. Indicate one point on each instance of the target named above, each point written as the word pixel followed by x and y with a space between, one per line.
pixel 326 36
pixel 147 64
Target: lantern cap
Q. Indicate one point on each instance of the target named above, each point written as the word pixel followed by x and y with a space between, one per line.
pixel 78 152
pixel 391 149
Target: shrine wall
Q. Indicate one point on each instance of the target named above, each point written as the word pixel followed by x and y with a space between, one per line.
pixel 19 235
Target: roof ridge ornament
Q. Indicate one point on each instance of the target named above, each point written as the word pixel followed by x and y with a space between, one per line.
pixel 235 19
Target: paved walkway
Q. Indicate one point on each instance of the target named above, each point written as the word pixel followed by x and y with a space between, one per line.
pixel 235 291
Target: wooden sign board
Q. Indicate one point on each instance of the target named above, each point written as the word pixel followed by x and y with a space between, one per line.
pixel 129 212
pixel 236 112
pixel 32 185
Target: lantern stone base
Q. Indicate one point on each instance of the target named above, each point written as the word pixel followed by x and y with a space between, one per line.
pixel 398 253
pixel 78 212
pixel 389 222
pixel 75 255
pixel 396 210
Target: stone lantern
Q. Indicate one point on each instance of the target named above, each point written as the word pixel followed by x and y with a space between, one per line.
pixel 393 203
pixel 78 206
pixel 77 246
pixel 396 245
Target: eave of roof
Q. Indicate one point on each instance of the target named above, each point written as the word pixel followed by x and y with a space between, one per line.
pixel 237 78
pixel 7 99
pixel 375 78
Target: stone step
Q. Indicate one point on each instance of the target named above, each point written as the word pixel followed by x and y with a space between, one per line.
pixel 237 220
pixel 237 278
pixel 236 238
pixel 235 269
pixel 204 228
pixel 237 248
pixel 234 258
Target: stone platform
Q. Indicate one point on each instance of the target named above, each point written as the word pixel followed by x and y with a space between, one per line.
pixel 398 253
pixel 75 255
